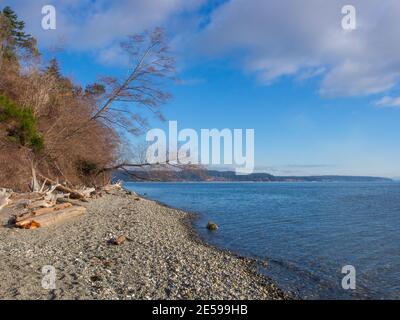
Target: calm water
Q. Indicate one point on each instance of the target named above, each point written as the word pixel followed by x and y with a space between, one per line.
pixel 307 231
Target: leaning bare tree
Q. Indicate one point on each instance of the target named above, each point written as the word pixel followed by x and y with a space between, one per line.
pixel 151 65
pixel 124 103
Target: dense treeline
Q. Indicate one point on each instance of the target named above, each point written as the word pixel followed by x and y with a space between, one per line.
pixel 51 127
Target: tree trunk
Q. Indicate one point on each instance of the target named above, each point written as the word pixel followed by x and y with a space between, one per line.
pixel 35 187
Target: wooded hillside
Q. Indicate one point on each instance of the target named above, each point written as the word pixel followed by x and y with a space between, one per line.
pixel 50 127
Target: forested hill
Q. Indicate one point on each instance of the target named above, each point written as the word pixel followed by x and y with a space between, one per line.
pixel 213 175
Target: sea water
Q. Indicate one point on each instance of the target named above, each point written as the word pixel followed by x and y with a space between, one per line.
pixel 306 231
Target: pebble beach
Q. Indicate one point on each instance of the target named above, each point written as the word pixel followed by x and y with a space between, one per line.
pixel 161 257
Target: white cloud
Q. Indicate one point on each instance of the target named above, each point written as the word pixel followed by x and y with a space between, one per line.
pixel 274 39
pixel 90 25
pixel 113 56
pixel 99 26
pixel 387 101
pixel 293 38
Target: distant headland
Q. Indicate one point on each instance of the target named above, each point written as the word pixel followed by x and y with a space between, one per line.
pixel 230 176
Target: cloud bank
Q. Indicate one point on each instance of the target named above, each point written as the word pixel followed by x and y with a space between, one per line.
pixel 386 101
pixel 290 38
pixel 271 39
pixel 88 25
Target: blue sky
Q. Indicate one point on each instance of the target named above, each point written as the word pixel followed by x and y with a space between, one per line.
pixel 321 100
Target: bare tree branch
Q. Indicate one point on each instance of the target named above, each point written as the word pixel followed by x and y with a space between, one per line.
pixel 142 86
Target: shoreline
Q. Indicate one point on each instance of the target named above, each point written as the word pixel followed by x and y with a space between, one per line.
pixel 253 262
pixel 195 237
pixel 163 257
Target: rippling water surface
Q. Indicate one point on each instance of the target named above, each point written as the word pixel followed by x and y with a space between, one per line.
pixel 307 231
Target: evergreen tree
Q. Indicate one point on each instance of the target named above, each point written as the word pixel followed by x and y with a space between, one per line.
pixel 54 69
pixel 16 27
pixel 63 84
pixel 14 36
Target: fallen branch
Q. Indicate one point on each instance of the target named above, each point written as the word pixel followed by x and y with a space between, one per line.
pixel 87 192
pixel 111 187
pixel 73 193
pixel 43 185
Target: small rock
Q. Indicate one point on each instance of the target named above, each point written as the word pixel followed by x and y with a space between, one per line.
pixel 107 264
pixel 212 226
pixel 118 241
pixel 95 278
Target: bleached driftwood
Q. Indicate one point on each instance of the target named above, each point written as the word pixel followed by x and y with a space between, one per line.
pixel 42 203
pixel 34 183
pixel 72 201
pixel 4 201
pixel 42 211
pixel 50 191
pixel 5 195
pixel 43 185
pixel 87 192
pixel 73 193
pixel 51 218
pixel 112 187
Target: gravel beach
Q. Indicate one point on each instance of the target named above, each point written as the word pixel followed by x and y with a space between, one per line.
pixel 160 259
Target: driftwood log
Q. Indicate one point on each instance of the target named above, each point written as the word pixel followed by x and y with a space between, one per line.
pixel 41 204
pixel 42 211
pixel 51 218
pixel 112 187
pixel 73 193
pixel 80 202
pixel 87 192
